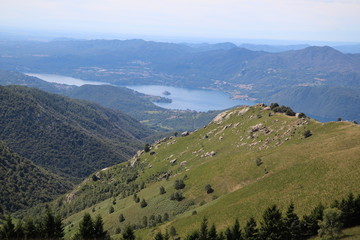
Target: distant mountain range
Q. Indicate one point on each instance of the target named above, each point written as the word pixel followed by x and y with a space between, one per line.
pixel 238 71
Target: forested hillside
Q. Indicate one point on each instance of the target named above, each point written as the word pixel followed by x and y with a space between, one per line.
pixel 70 137
pixel 24 184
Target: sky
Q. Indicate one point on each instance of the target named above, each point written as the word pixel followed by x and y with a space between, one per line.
pixel 315 20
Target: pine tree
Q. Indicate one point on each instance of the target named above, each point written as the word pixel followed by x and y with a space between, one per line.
pixel 236 231
pixel 58 228
pixel 49 225
pixel 162 190
pixel 204 230
pixel 272 226
pixel 292 224
pixel 309 223
pixel 250 231
pixel 86 227
pixel 212 233
pixel 99 232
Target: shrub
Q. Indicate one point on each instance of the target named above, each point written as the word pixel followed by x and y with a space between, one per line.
pixel 162 190
pixel 179 184
pixel 258 161
pixel 177 196
pixel 273 105
pixel 147 147
pixel 208 189
pixel 143 203
pixel 121 218
pixel 307 133
pixel 301 115
pixel 111 209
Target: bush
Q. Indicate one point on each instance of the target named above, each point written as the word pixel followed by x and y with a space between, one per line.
pixel 162 190
pixel 143 203
pixel 301 115
pixel 111 209
pixel 121 218
pixel 208 189
pixel 307 133
pixel 258 162
pixel 177 196
pixel 273 105
pixel 147 147
pixel 179 184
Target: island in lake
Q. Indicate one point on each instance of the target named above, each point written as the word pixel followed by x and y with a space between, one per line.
pixel 167 93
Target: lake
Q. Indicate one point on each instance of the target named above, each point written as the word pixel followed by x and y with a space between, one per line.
pixel 53 78
pixel 182 98
pixel 193 99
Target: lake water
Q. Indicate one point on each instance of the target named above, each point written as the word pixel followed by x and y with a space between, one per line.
pixel 53 78
pixel 182 98
pixel 193 99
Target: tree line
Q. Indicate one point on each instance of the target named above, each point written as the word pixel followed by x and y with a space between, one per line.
pixel 322 221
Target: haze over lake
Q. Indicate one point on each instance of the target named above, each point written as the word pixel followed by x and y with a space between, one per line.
pixel 182 98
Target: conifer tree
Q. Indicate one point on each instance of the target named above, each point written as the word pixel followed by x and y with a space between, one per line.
pixel 250 231
pixel 99 232
pixel 236 231
pixel 86 227
pixel 309 223
pixel 204 230
pixel 212 233
pixel 292 224
pixel 272 227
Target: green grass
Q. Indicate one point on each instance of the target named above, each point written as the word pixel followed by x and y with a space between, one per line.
pixel 305 171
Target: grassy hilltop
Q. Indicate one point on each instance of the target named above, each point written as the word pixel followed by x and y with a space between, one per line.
pixel 251 156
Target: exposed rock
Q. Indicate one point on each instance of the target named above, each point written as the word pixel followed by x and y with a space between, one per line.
pixel 152 153
pixel 183 163
pixel 173 161
pixel 208 154
pixel 184 134
pixel 70 197
pixel 219 117
pixel 256 128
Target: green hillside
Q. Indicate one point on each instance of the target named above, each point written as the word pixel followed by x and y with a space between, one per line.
pixel 70 137
pixel 252 157
pixel 24 184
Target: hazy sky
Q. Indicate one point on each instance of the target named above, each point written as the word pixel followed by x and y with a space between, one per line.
pixel 322 20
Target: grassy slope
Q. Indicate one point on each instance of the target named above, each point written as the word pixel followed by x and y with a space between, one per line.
pixel 320 168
